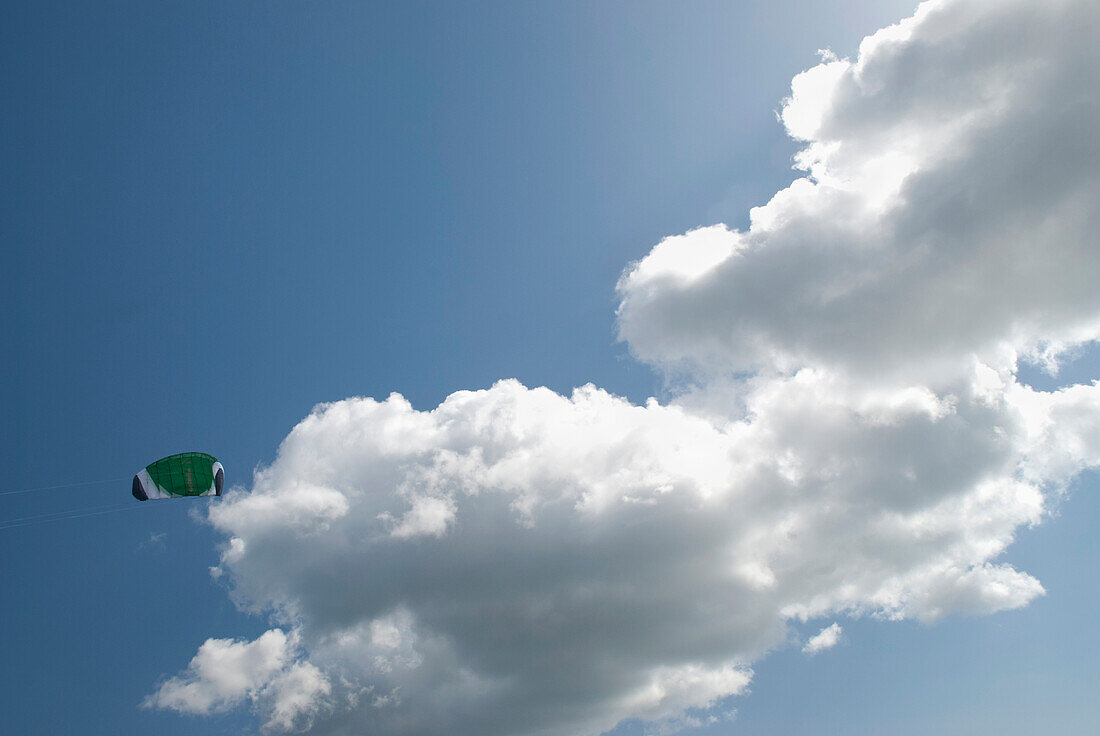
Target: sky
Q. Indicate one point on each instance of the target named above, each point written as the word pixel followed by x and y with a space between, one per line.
pixel 577 368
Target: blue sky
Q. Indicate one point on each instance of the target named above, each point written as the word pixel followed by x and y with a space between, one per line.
pixel 217 215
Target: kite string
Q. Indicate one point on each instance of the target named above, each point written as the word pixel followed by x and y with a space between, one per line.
pixel 65 485
pixel 80 513
pixel 63 512
pixel 34 522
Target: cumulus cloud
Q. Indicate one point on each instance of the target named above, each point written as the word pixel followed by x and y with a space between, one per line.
pixel 848 434
pixel 949 211
pixel 226 673
pixel 827 638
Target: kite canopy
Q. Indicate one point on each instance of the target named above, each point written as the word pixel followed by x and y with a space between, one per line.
pixel 185 474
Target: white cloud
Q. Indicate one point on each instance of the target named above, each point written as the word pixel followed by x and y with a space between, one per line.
pixel 226 673
pixel 950 212
pixel 294 697
pixel 827 638
pixel 850 437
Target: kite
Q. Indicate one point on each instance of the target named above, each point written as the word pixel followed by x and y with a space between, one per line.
pixel 185 474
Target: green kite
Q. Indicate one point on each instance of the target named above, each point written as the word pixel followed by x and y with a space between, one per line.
pixel 185 474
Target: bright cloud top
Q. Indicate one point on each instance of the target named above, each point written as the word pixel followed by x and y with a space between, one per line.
pixel 950 211
pixel 851 437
